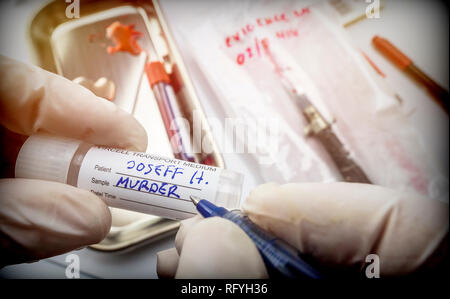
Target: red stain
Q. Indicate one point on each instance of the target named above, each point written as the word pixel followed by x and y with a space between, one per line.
pixel 416 178
pixel 124 38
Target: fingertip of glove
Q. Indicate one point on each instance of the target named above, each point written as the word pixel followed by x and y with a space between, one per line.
pixel 51 218
pixel 225 250
pixel 214 226
pixel 260 195
pixel 139 138
pixel 128 132
pixel 96 216
pixel 185 226
pixel 167 263
pixel 100 211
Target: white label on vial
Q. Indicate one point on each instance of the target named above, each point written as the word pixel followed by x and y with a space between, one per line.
pixel 147 183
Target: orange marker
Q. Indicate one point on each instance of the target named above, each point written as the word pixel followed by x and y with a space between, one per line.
pixel 406 64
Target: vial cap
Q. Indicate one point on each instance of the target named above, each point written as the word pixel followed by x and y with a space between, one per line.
pixel 46 157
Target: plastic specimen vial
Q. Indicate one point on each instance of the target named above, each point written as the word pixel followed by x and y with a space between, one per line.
pixel 128 180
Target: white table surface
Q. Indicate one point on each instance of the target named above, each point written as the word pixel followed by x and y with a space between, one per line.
pixel 419 28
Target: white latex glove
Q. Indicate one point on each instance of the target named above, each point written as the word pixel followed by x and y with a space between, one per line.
pixel 39 219
pixel 337 225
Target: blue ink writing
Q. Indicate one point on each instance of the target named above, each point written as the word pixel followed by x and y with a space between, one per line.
pixel 199 178
pixel 143 186
pixel 170 171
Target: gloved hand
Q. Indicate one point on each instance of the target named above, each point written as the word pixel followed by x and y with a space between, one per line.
pixel 39 219
pixel 336 225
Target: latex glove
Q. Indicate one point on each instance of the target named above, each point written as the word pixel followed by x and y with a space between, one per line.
pixel 39 219
pixel 335 225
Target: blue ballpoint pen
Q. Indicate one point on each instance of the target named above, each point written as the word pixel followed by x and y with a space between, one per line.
pixel 279 257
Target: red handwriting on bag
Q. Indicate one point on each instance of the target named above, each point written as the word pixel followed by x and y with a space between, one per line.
pixel 262 22
pixel 254 50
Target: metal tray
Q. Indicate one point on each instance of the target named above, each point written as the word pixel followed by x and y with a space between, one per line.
pixel 77 47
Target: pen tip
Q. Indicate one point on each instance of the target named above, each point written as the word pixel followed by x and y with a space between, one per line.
pixel 194 199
